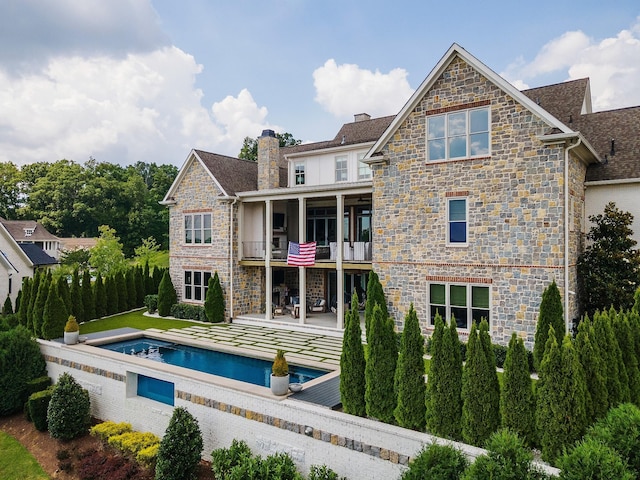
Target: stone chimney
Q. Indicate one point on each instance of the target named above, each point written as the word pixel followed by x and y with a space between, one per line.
pixel 361 117
pixel 268 160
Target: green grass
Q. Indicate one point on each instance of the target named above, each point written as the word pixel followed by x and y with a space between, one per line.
pixel 134 320
pixel 16 463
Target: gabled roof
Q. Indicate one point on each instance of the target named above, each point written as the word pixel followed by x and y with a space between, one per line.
pixel 230 174
pixel 353 133
pixel 37 256
pixel 18 230
pixel 565 101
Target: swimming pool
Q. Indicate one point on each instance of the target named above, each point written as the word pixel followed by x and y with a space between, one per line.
pixel 237 367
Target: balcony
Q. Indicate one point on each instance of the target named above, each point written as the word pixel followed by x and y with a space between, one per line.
pixel 352 252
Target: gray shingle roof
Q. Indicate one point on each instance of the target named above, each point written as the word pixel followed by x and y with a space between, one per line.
pixel 17 229
pixel 233 174
pixel 563 100
pixel 37 255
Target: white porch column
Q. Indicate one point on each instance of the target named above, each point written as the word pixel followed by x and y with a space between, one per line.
pixel 339 268
pixel 268 233
pixel 302 271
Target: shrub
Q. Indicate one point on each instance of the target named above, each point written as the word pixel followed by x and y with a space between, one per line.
pixel 380 369
pixel 279 466
pixel 508 458
pixel 69 409
pixel 133 442
pixel 437 462
pixel 352 363
pixel 20 362
pixel 166 295
pixel 594 460
pixel 37 404
pixel 410 409
pixel 108 429
pixel 180 449
pixel 620 430
pixel 71 325
pixel 151 302
pixel 280 368
pixel 322 472
pixel 186 311
pixel 224 460
pixel 148 456
pixel 37 385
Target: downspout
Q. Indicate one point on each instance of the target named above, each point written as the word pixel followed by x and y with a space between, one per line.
pixel 566 233
pixel 231 205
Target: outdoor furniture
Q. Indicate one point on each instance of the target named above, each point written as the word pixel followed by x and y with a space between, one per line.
pixel 295 311
pixel 319 306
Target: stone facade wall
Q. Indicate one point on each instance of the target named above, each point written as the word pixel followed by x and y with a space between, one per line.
pixel 198 194
pixel 268 158
pixel 515 208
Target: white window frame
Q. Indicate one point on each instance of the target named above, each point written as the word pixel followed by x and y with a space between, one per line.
pixel 466 222
pixel 202 230
pixel 299 172
pixel 364 170
pixel 342 168
pixel 190 288
pixel 447 307
pixel 447 137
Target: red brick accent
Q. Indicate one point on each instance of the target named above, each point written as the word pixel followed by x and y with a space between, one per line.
pixel 455 108
pixel 461 193
pixel 443 278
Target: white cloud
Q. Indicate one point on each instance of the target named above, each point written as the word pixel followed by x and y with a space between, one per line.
pixel 143 107
pixel 347 89
pixel 612 64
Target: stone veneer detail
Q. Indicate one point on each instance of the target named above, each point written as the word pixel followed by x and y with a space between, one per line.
pixel 515 203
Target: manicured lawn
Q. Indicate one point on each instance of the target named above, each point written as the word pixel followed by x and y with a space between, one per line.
pixel 16 463
pixel 134 320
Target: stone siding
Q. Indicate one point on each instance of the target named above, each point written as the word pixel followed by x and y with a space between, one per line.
pixel 515 208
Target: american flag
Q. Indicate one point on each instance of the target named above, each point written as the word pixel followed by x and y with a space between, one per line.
pixel 301 254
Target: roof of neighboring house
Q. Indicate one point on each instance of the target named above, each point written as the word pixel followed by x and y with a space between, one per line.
pixel 232 174
pixel 37 255
pixel 18 230
pixel 76 243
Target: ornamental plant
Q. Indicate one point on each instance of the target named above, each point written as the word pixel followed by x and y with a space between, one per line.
pixel 71 325
pixel 214 300
pixel 409 380
pixel 436 462
pixel 166 295
pixel 550 314
pixel 280 367
pixel 352 364
pixel 595 460
pixel 69 409
pixel 180 449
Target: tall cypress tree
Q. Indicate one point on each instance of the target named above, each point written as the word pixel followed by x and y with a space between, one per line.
pixel 77 305
pixel 149 286
pixel 63 292
pixel 548 410
pixel 375 295
pixel 166 295
pixel 55 314
pixel 35 286
pixel 140 286
pixel 41 299
pixel 352 364
pixel 478 393
pixel 100 295
pixel 617 379
pixel 436 375
pixel 409 380
pixel 214 300
pixel 130 282
pixel 26 299
pixel 112 294
pixel 380 369
pixel 88 301
pixel 123 295
pixel 625 339
pixel 490 376
pixel 596 399
pixel 550 314
pixel 517 402
pixel 574 389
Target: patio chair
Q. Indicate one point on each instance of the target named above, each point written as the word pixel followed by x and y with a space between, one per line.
pixel 319 306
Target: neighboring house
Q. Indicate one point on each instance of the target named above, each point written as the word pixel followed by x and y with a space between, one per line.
pixel 469 203
pixel 21 253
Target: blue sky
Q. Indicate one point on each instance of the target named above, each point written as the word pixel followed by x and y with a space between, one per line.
pixel 128 80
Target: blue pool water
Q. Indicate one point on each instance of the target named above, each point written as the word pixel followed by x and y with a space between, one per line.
pixel 237 367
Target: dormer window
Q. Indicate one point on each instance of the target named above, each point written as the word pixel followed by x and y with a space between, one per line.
pixel 28 232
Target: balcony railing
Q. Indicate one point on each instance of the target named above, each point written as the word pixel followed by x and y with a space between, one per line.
pixel 353 252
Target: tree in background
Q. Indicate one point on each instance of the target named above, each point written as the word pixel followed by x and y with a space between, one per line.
pixel 130 281
pixel 140 286
pixel 550 314
pixel 352 363
pixel 35 286
pixel 64 292
pixel 214 300
pixel 517 402
pixel 26 299
pixel 409 379
pixel 7 307
pixel 77 304
pixel 88 300
pixel 123 294
pixel 609 268
pixel 380 369
pixel 166 295
pixel 249 149
pixel 107 256
pixel 112 294
pixel 9 190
